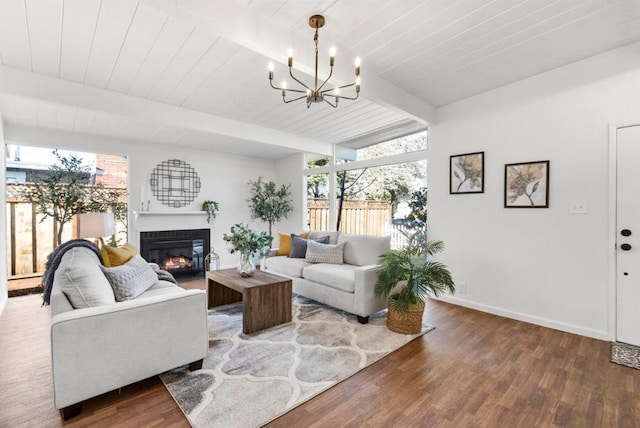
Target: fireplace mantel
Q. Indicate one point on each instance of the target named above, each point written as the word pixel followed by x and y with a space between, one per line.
pixel 167 213
pixel 167 220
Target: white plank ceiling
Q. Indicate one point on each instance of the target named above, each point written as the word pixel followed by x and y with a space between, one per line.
pixel 209 59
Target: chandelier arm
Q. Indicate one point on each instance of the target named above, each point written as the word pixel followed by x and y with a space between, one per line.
pixel 330 103
pixel 350 98
pixel 294 99
pixel 338 87
pixel 299 91
pixel 294 78
pixel 274 87
pixel 342 97
pixel 326 80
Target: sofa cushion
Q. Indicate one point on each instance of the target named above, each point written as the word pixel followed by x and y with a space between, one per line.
pixel 286 265
pixel 80 279
pixel 324 253
pixel 284 242
pixel 131 279
pixel 363 250
pixel 341 277
pixel 333 236
pixel 117 256
pixel 299 246
pixel 160 288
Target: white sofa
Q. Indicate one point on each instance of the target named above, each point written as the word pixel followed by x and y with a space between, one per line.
pixel 349 286
pixel 102 347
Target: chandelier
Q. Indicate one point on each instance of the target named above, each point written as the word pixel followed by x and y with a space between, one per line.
pixel 317 94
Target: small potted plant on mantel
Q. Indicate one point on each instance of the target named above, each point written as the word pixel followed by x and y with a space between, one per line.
pixel 211 208
pixel 249 244
pixel 407 278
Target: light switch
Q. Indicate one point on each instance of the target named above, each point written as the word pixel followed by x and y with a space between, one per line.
pixel 578 206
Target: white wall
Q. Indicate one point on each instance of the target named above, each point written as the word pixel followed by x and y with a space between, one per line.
pixel 544 266
pixel 3 220
pixel 224 179
pixel 289 172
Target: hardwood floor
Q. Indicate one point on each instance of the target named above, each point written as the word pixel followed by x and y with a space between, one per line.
pixel 473 370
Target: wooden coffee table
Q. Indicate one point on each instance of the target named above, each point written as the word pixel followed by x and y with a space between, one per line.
pixel 266 297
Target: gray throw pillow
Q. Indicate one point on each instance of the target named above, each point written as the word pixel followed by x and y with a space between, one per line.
pixel 79 277
pixel 131 279
pixel 324 253
pixel 299 246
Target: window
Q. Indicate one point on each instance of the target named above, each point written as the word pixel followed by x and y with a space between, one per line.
pixel 101 185
pixel 409 143
pixel 383 197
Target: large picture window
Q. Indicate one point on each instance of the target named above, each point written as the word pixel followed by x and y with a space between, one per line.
pixel 45 189
pixel 383 197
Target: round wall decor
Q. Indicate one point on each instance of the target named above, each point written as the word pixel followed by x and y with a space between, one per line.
pixel 175 183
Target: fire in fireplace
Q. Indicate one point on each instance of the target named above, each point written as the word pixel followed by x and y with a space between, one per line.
pixel 180 252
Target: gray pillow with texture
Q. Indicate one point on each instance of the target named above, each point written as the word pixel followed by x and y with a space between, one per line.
pixel 299 246
pixel 324 253
pixel 131 279
pixel 80 279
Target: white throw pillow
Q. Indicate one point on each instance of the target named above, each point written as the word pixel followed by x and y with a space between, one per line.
pixel 324 253
pixel 131 279
pixel 80 279
pixel 363 250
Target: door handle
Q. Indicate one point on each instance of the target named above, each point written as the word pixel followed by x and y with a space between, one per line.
pixel 625 247
pixel 625 232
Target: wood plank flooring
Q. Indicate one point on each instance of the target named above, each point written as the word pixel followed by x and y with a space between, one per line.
pixel 473 370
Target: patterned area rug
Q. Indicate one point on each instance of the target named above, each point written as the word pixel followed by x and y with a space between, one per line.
pixel 248 380
pixel 627 355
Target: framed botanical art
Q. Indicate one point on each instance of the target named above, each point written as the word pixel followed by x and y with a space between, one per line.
pixel 526 185
pixel 466 173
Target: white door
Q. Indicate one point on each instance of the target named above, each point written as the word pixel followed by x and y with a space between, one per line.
pixel 628 236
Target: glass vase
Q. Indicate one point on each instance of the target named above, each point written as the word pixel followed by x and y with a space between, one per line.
pixel 247 266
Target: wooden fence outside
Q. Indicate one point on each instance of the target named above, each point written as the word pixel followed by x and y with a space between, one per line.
pixel 363 217
pixel 31 239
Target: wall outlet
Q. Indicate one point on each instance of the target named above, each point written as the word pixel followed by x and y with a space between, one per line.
pixel 461 287
pixel 578 207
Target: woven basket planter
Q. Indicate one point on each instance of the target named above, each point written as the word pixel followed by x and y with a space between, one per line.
pixel 406 322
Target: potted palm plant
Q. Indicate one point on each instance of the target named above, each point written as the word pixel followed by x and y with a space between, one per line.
pixel 249 244
pixel 407 278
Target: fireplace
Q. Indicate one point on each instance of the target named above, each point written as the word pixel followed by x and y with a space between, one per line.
pixel 180 252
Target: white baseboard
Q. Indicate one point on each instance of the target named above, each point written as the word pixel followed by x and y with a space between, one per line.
pixel 569 328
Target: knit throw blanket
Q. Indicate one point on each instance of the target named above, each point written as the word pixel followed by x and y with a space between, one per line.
pixel 53 261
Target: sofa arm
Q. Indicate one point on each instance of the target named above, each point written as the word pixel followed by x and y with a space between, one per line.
pixel 366 302
pixel 99 349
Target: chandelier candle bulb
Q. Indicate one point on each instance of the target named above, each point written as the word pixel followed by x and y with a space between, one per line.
pixel 270 71
pixel 357 68
pixel 290 57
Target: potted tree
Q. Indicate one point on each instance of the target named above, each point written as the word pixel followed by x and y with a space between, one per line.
pixel 268 202
pixel 249 244
pixel 407 278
